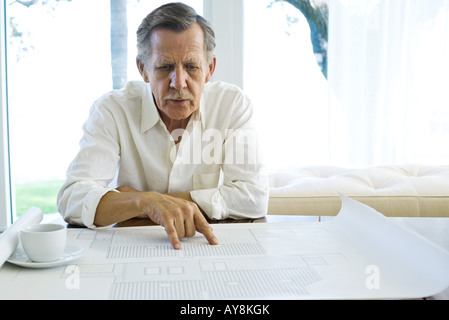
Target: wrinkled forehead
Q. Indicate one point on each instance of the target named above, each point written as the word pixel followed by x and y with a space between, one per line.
pixel 188 43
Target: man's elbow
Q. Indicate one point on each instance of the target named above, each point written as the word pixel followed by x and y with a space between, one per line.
pixel 257 200
pixel 261 206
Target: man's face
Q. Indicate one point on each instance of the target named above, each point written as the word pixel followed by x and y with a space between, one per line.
pixel 177 71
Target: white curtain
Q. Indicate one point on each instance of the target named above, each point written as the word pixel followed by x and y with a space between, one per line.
pixel 389 81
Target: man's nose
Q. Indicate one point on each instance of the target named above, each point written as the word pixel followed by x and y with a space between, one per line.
pixel 178 79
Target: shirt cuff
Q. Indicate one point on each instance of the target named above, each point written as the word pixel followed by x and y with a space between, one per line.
pixel 211 202
pixel 90 204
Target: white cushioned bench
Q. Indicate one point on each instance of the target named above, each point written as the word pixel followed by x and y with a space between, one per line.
pixel 396 191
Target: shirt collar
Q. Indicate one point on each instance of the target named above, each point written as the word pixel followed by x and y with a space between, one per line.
pixel 201 112
pixel 150 115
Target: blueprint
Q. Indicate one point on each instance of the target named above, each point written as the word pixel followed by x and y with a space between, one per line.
pixel 358 254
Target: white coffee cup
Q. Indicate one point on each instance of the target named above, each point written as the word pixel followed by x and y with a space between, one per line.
pixel 44 242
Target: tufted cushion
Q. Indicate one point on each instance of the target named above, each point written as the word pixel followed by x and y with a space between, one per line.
pixel 401 191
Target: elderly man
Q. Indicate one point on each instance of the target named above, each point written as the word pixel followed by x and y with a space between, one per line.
pixel 175 147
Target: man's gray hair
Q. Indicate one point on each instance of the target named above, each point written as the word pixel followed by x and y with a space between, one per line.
pixel 176 17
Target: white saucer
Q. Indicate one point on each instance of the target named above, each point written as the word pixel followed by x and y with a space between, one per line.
pixel 71 252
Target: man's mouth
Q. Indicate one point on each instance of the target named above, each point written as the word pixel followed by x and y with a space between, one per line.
pixel 178 97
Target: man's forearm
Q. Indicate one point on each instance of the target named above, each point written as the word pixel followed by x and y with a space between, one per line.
pixel 116 207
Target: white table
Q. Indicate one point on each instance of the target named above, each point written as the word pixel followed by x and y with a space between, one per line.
pixel 434 229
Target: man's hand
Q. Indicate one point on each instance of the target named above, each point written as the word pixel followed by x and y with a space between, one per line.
pixel 180 216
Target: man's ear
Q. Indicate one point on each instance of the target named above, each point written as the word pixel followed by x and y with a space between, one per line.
pixel 142 71
pixel 211 69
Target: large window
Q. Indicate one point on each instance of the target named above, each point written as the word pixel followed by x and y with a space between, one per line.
pixel 59 63
pixel 285 83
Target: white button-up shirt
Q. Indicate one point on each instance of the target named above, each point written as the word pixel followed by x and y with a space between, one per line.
pixel 125 142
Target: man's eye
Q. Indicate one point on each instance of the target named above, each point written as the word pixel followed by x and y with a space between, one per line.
pixel 191 67
pixel 164 68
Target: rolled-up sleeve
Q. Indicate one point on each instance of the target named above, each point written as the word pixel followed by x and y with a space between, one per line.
pixel 236 200
pixel 91 172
